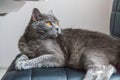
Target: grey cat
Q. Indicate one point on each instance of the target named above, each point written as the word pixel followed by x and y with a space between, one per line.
pixel 44 44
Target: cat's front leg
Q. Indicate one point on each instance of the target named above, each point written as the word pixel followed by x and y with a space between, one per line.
pixel 47 60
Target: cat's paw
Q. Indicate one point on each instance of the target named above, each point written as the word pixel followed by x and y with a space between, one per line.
pixel 22 65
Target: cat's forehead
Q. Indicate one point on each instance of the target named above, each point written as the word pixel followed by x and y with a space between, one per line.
pixel 50 17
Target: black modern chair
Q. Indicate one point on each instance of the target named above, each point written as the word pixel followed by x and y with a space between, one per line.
pixel 115 19
pixel 64 73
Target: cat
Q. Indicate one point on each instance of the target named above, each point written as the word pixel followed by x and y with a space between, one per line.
pixel 45 44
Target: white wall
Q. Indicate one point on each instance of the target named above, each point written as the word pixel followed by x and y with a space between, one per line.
pixel 87 14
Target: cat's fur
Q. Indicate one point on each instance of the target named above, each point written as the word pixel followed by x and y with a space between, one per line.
pixel 75 48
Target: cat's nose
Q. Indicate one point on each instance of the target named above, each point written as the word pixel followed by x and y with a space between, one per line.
pixel 58 30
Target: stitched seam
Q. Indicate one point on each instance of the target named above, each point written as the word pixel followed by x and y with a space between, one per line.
pixel 66 73
pixel 31 74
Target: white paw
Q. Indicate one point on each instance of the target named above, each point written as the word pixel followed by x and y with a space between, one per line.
pixel 19 65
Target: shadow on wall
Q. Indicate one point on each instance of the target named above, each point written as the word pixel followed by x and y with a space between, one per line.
pixel 7 6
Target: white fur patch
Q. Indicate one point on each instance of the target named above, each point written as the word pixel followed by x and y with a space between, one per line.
pixel 21 63
pixel 104 73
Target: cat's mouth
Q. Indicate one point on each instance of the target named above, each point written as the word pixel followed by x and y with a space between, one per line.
pixel 54 35
pixel 49 35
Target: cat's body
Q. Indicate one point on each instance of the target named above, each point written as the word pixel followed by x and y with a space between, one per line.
pixel 43 45
pixel 77 44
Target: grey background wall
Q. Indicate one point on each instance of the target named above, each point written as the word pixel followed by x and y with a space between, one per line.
pixel 86 14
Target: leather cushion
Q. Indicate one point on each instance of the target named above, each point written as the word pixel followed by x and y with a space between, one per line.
pixel 49 74
pixel 46 74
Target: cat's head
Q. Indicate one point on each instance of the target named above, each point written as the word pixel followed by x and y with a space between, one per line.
pixel 47 25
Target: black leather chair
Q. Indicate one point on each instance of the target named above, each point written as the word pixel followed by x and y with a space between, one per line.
pixel 64 73
pixel 115 19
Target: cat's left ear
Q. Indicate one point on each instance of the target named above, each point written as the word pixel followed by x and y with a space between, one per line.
pixel 36 14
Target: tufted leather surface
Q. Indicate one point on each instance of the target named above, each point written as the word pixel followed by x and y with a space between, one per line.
pixel 115 19
pixel 46 74
pixel 49 74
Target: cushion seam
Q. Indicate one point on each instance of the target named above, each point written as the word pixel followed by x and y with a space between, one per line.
pixel 66 73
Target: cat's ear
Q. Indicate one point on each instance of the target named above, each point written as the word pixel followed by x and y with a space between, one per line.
pixel 36 14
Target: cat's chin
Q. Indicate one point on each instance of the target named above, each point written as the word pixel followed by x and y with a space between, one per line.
pixel 54 36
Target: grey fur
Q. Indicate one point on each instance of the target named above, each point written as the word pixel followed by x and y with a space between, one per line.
pixel 42 46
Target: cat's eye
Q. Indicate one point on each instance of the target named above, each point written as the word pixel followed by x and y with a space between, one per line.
pixel 57 23
pixel 49 24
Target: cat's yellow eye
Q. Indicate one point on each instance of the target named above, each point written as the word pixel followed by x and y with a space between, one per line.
pixel 49 24
pixel 57 23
